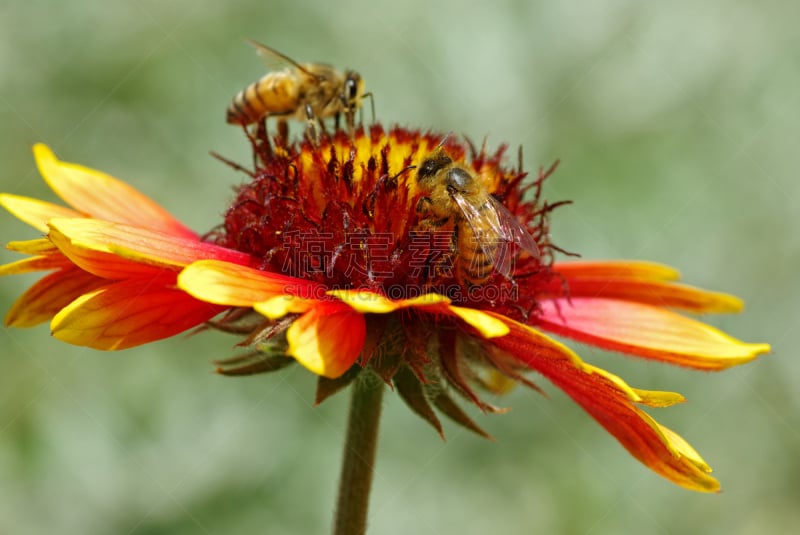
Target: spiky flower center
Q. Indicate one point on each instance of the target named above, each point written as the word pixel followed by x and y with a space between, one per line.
pixel 346 214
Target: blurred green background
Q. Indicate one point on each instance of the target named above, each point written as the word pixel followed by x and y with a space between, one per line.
pixel 677 125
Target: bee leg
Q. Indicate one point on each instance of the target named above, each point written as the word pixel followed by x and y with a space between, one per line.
pixel 282 137
pixel 449 268
pixel 430 220
pixel 430 266
pixel 441 255
pixel 430 262
pixel 423 204
pixel 233 165
pixel 252 137
pixel 262 139
pixel 350 119
pixel 322 128
pixel 311 126
pixel 336 121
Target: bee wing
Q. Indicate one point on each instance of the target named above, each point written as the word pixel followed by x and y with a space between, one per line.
pixel 276 60
pixel 498 232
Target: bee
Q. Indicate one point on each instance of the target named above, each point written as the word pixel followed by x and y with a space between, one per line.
pixel 487 237
pixel 302 91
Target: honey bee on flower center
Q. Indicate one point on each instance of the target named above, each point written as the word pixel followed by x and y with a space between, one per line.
pixel 487 237
pixel 308 92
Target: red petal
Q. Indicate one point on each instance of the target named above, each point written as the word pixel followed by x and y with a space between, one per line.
pixel 616 269
pixel 36 263
pixel 327 339
pixel 49 295
pixel 102 196
pixel 230 284
pixel 609 401
pixel 117 251
pixel 646 331
pixel 128 314
pixel 641 282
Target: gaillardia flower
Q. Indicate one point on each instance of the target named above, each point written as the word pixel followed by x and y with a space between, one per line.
pixel 343 257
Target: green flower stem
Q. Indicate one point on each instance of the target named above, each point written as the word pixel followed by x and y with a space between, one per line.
pixel 359 455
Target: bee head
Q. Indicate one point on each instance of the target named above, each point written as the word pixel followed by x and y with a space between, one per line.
pixel 432 164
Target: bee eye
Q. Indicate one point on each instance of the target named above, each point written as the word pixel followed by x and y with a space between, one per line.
pixel 352 89
pixel 427 169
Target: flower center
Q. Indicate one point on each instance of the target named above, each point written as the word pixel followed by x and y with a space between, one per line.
pixel 361 213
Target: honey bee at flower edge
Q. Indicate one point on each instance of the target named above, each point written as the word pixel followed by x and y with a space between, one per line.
pixel 302 91
pixel 487 236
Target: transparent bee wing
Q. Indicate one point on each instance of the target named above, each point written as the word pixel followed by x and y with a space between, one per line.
pixel 499 233
pixel 512 230
pixel 276 60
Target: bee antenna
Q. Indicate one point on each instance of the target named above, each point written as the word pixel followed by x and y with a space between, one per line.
pixel 444 139
pixel 403 170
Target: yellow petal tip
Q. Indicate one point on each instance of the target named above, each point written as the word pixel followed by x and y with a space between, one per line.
pixel 759 349
pixel 43 152
pixel 277 307
pixel 45 158
pixel 722 303
pixel 488 326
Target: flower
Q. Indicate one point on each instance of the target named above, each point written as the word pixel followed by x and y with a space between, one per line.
pixel 115 256
pixel 329 257
pixel 350 277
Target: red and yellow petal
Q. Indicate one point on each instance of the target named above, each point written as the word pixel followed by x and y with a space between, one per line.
pixel 36 263
pixel 278 307
pixel 613 269
pixel 98 258
pixel 369 302
pixel 663 451
pixel 485 324
pixel 34 212
pixel 613 404
pixel 118 251
pixel 658 398
pixel 101 196
pixel 42 301
pixel 129 313
pixel 637 281
pixel 328 338
pixel 224 283
pixel 39 246
pixel 646 331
